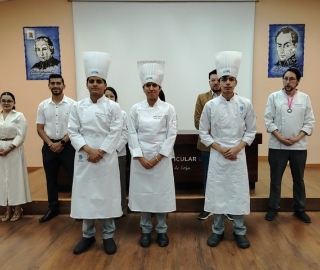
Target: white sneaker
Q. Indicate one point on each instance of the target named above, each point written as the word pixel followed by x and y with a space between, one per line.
pixel 204 215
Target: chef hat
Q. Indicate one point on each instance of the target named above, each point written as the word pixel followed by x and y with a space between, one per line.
pixel 228 63
pixel 96 64
pixel 151 71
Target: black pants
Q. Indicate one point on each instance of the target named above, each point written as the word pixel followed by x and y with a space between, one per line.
pixel 51 164
pixel 122 168
pixel 278 160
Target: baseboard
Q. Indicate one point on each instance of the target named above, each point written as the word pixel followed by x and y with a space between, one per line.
pixel 312 165
pixel 32 169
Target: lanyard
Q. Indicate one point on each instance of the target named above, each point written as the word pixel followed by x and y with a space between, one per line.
pixel 290 100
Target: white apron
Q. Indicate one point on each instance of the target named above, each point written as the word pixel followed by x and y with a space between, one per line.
pixel 96 186
pixel 227 190
pixel 152 190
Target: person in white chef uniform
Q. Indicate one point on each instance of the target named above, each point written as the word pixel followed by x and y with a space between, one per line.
pixel 228 124
pixel 94 129
pixel 153 129
pixel 289 119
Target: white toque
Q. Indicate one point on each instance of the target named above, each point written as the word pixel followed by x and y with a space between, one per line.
pixel 151 71
pixel 228 63
pixel 96 64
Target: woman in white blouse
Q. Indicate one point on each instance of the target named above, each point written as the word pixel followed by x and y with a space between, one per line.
pixel 14 185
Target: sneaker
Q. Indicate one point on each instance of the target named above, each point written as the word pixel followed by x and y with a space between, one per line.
pixel 229 217
pixel 271 214
pixel 204 215
pixel 301 215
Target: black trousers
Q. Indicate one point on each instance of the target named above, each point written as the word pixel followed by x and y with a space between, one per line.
pixel 278 160
pixel 51 164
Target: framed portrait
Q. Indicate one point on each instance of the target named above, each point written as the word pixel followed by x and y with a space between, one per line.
pixel 42 52
pixel 286 48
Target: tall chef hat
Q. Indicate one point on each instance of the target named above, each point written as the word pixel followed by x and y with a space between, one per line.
pixel 96 64
pixel 228 63
pixel 151 71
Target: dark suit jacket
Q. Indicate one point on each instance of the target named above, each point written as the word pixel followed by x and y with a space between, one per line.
pixel 201 101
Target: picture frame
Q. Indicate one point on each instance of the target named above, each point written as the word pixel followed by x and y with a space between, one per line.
pixel 42 52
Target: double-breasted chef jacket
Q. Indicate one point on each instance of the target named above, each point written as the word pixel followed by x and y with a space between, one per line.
pixel 152 130
pixel 227 123
pixel 96 186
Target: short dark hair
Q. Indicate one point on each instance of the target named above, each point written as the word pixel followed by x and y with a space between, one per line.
pixel 46 39
pixel 113 91
pixel 295 71
pixel 54 76
pixel 11 95
pixel 99 77
pixel 212 72
pixel 287 30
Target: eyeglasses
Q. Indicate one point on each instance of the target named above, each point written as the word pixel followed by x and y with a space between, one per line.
pixel 148 85
pixel 289 79
pixel 9 101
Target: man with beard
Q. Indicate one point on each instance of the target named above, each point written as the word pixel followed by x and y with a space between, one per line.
pixel 202 99
pixel 288 118
pixel 52 124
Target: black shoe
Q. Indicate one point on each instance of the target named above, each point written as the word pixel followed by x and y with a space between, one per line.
pixel 271 214
pixel 49 215
pixel 110 246
pixel 214 239
pixel 84 244
pixel 301 215
pixel 229 217
pixel 242 241
pixel 204 215
pixel 145 240
pixel 163 239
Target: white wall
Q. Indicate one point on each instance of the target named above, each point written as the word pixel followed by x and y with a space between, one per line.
pixel 185 35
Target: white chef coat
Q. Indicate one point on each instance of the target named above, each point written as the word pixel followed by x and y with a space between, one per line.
pixel 121 147
pixel 227 123
pixel 301 118
pixel 152 130
pixel 96 186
